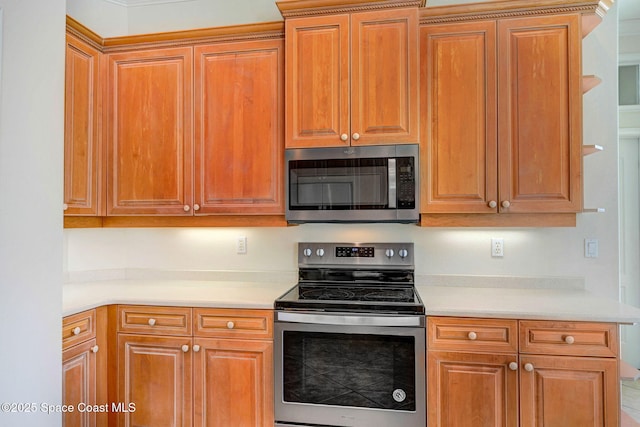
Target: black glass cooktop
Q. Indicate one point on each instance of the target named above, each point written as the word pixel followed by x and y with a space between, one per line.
pixel 352 298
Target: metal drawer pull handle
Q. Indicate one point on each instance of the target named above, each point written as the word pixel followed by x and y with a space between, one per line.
pixel 528 367
pixel 506 204
pixel 196 348
pixel 152 321
pixel 76 330
pixel 513 366
pixel 569 339
pixel 344 137
pixel 230 325
pixel 95 349
pixel 185 348
pixel 472 336
pixel 493 204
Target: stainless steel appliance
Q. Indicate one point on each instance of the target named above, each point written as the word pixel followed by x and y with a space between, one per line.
pixel 350 339
pixel 352 184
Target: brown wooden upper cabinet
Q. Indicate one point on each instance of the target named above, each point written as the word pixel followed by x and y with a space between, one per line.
pixel 230 159
pixel 352 78
pixel 502 116
pixel 82 147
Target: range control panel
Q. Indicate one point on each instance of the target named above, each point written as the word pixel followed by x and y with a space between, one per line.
pixel 390 255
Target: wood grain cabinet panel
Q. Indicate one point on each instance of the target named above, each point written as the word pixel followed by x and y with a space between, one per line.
pixel 79 383
pixel 231 323
pixel 457 334
pixel 569 391
pixel 83 157
pixel 239 128
pixel 149 137
pixel 472 389
pixel 458 82
pixel 154 373
pixel 540 113
pixel 317 81
pixel 569 338
pixel 78 328
pixel 154 320
pixel 352 79
pixel 233 383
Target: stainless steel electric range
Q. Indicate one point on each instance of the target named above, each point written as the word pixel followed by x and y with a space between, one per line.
pixel 350 339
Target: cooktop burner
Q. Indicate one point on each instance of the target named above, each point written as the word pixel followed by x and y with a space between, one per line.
pixel 332 293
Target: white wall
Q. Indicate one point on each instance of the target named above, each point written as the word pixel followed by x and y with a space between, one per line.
pixel 31 147
pixel 529 252
pixel 105 18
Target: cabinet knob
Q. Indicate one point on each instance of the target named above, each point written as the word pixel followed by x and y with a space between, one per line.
pixel 506 204
pixel 472 336
pixel 152 321
pixel 185 348
pixel 76 330
pixel 231 325
pixel 95 349
pixel 196 207
pixel 355 136
pixel 186 208
pixel 196 348
pixel 528 367
pixel 513 366
pixel 65 206
pixel 493 204
pixel 569 339
pixel 344 137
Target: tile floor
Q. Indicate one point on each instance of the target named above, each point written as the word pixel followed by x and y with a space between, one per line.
pixel 630 398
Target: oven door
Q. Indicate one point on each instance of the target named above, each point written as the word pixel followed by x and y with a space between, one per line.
pixel 349 370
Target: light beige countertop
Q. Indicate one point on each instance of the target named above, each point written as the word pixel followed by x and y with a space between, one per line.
pixel 78 297
pixel 468 300
pixel 524 303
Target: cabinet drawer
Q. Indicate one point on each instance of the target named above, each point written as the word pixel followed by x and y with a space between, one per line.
pixel 154 320
pixel 78 328
pixel 569 338
pixel 232 323
pixel 458 334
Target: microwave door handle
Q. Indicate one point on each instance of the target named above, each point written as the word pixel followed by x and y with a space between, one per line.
pixel 392 183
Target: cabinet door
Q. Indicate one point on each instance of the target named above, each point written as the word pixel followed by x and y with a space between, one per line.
pixel 562 391
pixel 79 384
pixel 239 147
pixel 471 390
pixel 540 114
pixel 233 383
pixel 459 129
pixel 317 81
pixel 154 373
pixel 384 77
pixel 149 138
pixel 82 148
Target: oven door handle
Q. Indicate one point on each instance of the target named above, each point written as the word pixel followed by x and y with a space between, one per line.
pixel 349 320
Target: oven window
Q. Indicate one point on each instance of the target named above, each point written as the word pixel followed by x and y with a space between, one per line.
pixel 338 184
pixel 365 371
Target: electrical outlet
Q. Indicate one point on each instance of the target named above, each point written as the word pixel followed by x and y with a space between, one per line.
pixel 591 248
pixel 497 247
pixel 241 245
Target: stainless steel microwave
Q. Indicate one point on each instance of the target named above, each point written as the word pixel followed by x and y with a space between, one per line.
pixel 352 184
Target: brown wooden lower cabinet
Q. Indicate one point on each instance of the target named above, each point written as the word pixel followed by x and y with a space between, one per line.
pixel 552 380
pixel 233 383
pixel 79 383
pixel 184 380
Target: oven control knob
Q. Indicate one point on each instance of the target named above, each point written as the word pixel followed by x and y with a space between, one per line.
pixel 307 252
pixel 389 253
pixel 399 395
pixel 403 253
pixel 320 252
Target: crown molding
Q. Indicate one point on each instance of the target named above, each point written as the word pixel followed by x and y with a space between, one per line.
pixel 512 8
pixel 629 27
pixel 259 31
pixel 299 8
